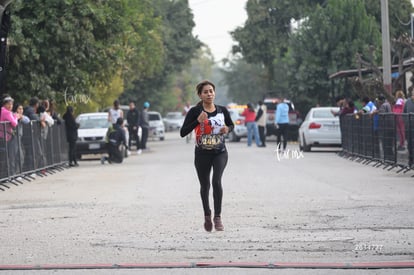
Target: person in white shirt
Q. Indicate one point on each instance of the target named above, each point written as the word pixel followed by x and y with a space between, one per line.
pixel 115 112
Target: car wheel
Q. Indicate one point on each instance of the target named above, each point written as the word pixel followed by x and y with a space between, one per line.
pixel 233 137
pixel 306 148
pixel 300 144
pixel 162 138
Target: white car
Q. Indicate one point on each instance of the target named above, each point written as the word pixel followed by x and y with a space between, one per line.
pixel 320 128
pixel 173 121
pixel 157 128
pixel 240 130
pixel 91 133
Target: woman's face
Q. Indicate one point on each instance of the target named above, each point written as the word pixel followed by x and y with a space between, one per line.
pixel 8 105
pixel 207 94
pixel 19 109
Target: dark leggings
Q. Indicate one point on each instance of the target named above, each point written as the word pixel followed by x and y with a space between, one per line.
pixel 203 164
pixel 282 131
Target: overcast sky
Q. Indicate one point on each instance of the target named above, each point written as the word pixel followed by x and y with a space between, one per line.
pixel 214 20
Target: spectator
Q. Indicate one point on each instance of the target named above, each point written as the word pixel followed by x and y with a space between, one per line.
pixel 53 113
pixel 341 103
pixel 261 118
pixel 115 137
pixel 71 135
pixel 33 155
pixel 250 117
pixel 368 106
pixel 282 123
pixel 31 110
pixel 398 109
pixel 133 124
pixel 386 133
pixel 144 124
pixel 115 112
pixel 8 132
pixel 409 104
pixel 18 109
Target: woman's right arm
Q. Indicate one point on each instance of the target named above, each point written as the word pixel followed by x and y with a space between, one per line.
pixel 190 122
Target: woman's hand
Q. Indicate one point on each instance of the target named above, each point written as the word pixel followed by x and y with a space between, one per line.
pixel 202 117
pixel 224 130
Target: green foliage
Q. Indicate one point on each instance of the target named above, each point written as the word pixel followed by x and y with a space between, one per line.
pixel 326 43
pixel 75 46
pixel 246 82
pixel 399 15
pixel 180 47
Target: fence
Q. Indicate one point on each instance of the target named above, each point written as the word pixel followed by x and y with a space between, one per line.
pixel 377 138
pixel 29 150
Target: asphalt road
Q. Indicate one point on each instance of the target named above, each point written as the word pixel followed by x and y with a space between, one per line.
pixel 311 208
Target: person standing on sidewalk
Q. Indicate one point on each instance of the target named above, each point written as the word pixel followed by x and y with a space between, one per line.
pixel 133 124
pixel 261 118
pixel 210 122
pixel 282 123
pixel 144 124
pixel 115 112
pixel 250 117
pixel 71 134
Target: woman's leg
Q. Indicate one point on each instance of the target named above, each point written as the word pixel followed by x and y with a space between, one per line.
pixel 256 135
pixel 203 164
pixel 219 164
pixel 249 133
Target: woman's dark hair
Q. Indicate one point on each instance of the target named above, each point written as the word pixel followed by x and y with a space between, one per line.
pixel 116 103
pixel 200 86
pixel 15 106
pixel 250 107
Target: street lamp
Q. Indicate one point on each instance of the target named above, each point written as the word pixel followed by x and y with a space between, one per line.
pixel 3 6
pixel 3 42
pixel 412 26
pixel 386 48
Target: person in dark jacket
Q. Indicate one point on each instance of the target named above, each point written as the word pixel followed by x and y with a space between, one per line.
pixel 71 134
pixel 133 124
pixel 115 137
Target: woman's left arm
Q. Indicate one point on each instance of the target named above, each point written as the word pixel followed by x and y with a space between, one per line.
pixel 228 121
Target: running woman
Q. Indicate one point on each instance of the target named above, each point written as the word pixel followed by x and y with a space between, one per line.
pixel 210 122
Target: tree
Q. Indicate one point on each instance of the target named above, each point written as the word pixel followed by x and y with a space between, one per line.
pixel 264 38
pixel 326 43
pixel 399 15
pixel 246 82
pixel 180 47
pixel 74 46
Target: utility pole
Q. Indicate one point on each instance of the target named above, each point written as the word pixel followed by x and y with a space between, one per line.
pixel 4 30
pixel 386 48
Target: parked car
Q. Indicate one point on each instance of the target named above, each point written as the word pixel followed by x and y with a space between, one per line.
pixel 91 133
pixel 157 128
pixel 240 129
pixel 173 121
pixel 320 128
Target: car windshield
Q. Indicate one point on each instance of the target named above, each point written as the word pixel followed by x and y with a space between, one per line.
pixel 153 117
pixel 322 114
pixel 93 122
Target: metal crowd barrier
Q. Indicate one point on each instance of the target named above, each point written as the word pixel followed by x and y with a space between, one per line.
pixel 376 139
pixel 31 150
